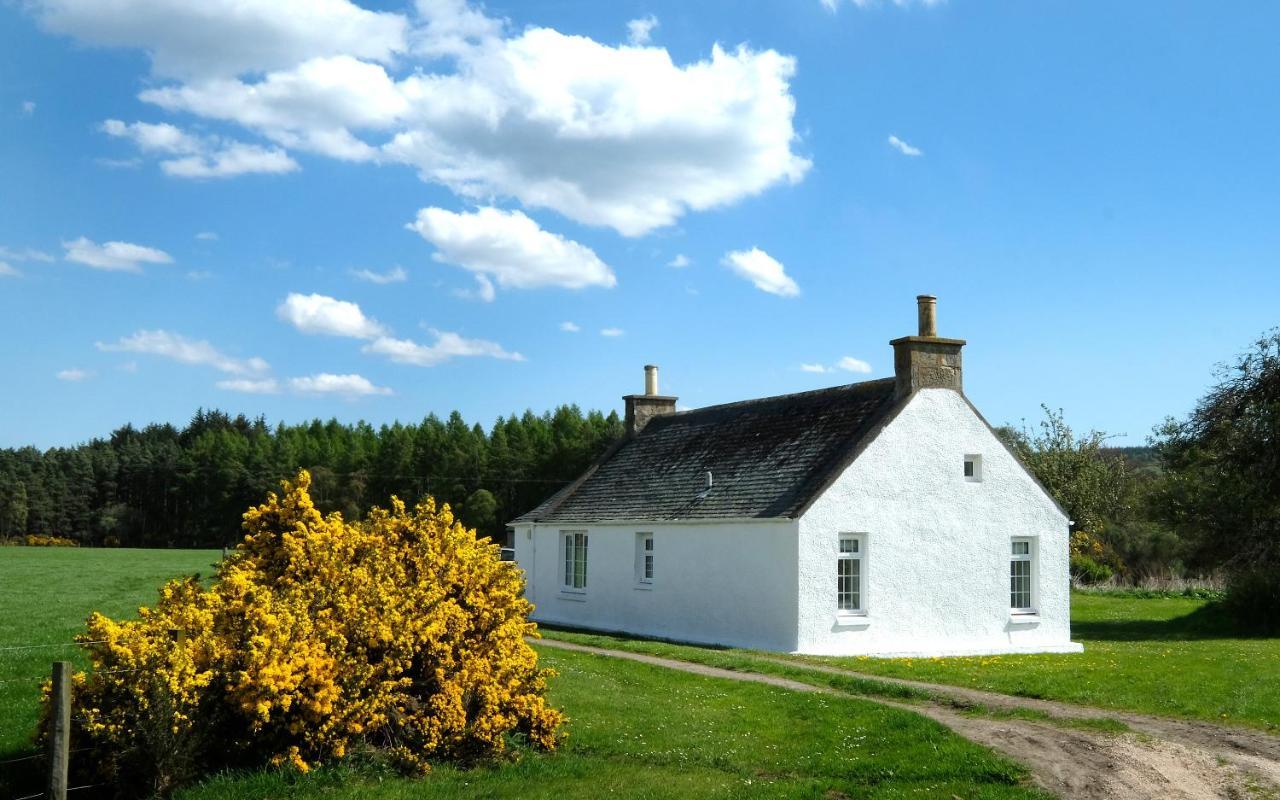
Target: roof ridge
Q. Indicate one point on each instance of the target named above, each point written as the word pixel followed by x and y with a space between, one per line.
pixel 790 396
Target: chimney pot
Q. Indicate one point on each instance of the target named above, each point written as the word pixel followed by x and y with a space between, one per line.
pixel 927 305
pixel 640 408
pixel 927 361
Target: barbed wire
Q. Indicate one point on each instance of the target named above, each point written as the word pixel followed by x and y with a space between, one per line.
pixel 44 646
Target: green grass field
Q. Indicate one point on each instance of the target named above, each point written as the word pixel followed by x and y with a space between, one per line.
pixel 634 731
pixel 1170 656
pixel 45 595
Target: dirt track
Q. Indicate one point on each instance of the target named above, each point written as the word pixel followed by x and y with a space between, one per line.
pixel 1163 758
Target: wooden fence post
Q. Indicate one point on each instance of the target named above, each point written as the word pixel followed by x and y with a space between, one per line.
pixel 59 730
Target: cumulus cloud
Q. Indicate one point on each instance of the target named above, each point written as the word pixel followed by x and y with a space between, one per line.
pixel 350 386
pixel 612 332
pixel 763 270
pixel 229 37
pixel 200 157
pixel 903 147
pixel 446 347
pixel 569 327
pixel 186 351
pixel 851 364
pixel 7 271
pixel 640 31
pixel 510 249
pixel 74 375
pixel 393 275
pixel 24 254
pixel 320 314
pixel 618 136
pixel 250 385
pixel 114 256
pixel 847 363
pixel 680 261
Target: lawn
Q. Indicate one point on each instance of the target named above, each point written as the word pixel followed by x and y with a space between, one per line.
pixel 46 593
pixel 635 730
pixel 1171 656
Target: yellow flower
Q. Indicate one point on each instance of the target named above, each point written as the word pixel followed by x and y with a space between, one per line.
pixel 403 631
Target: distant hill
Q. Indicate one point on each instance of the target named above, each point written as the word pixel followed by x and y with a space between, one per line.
pixel 1138 458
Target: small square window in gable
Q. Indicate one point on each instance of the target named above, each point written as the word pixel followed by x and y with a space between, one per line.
pixel 973 468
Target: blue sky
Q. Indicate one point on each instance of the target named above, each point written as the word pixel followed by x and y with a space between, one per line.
pixel 191 208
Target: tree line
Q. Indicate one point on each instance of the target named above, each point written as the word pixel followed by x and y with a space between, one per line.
pixel 164 486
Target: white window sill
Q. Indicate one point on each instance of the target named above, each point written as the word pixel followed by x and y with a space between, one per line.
pixel 573 596
pixel 1024 619
pixel 643 587
pixel 852 620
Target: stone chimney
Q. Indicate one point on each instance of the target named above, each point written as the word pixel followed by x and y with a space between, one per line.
pixel 926 360
pixel 643 407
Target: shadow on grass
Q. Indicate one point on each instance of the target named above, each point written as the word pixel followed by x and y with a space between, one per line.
pixel 557 628
pixel 1210 621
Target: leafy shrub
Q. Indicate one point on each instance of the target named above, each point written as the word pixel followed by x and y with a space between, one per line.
pixel 1087 571
pixel 34 540
pixel 1253 598
pixel 402 634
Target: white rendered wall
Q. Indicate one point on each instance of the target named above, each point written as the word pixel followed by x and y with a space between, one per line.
pixel 936 567
pixel 723 583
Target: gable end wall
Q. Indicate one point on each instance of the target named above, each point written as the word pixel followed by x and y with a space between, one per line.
pixel 936 567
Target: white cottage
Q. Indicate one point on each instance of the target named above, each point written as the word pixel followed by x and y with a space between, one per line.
pixel 879 518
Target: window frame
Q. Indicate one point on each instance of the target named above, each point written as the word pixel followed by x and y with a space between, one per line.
pixel 976 460
pixel 858 556
pixel 1029 558
pixel 645 565
pixel 572 544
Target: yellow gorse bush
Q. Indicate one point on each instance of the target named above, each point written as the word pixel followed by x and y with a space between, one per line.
pixel 402 632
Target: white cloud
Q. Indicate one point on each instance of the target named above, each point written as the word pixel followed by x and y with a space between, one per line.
pixel 851 364
pixel 393 275
pixel 618 136
pixel 74 375
pixel 206 236
pixel 680 261
pixel 200 157
pixel 612 332
pixel 199 275
pixel 763 270
pixel 25 254
pixel 903 147
pixel 848 364
pixel 7 271
pixel 114 256
pixel 509 248
pixel 319 314
pixel 228 37
pixel 187 351
pixel 234 159
pixel 640 31
pixel 28 107
pixel 350 386
pixel 250 385
pixel 447 346
pixel 569 327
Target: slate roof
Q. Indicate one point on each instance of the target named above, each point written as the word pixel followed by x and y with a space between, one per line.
pixel 769 457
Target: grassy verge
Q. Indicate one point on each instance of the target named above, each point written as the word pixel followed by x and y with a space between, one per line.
pixel 1171 656
pixel 640 731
